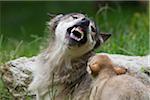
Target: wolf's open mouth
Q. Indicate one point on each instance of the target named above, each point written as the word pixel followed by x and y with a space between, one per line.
pixel 77 33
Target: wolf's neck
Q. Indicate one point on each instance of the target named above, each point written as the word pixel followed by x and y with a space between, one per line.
pixel 64 66
pixel 76 74
pixel 78 70
pixel 56 61
pixel 60 61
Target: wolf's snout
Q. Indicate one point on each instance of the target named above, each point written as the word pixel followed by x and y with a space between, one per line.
pixel 85 22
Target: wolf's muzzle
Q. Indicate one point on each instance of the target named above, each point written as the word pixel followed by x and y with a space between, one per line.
pixel 77 34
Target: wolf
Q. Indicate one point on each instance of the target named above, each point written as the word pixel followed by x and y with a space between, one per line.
pixel 62 66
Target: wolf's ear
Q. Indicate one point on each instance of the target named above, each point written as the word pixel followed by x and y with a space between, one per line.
pixel 101 38
pixel 105 36
pixel 54 21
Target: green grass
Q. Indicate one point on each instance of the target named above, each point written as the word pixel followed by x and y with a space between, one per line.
pixel 130 32
pixel 130 36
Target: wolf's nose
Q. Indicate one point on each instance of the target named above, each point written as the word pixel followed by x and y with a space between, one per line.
pixel 85 22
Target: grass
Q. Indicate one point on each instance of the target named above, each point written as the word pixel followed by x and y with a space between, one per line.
pixel 130 32
pixel 130 36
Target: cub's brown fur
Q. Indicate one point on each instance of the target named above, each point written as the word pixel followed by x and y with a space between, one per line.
pixel 108 86
pixel 102 60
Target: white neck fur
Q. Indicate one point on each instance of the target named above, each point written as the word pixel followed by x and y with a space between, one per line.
pixel 49 62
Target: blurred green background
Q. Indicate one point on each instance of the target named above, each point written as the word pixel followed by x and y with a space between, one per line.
pixel 21 19
pixel 22 26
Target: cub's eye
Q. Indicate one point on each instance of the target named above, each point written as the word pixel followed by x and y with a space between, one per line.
pixel 93 29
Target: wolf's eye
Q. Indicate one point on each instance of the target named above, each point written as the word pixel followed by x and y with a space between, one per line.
pixel 74 17
pixel 93 29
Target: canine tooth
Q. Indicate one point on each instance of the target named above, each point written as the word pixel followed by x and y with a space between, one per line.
pixel 72 36
pixel 73 29
pixel 82 35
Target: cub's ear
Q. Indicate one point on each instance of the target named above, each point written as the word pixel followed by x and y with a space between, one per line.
pixel 54 21
pixel 101 38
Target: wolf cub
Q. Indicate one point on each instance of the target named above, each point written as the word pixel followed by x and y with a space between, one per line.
pixel 107 85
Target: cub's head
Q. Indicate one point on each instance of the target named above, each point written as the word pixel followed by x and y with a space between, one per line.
pixel 76 32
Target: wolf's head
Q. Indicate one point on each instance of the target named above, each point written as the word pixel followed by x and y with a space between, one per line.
pixel 77 32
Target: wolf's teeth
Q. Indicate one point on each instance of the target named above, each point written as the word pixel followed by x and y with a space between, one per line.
pixel 79 30
pixel 74 37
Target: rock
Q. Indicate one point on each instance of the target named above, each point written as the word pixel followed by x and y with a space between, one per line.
pixel 17 75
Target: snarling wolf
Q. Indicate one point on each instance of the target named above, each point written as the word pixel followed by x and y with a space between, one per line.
pixel 63 64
